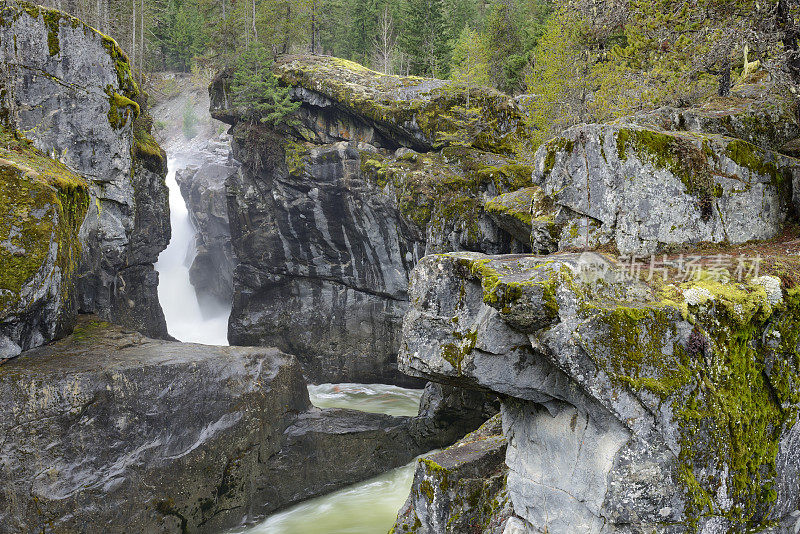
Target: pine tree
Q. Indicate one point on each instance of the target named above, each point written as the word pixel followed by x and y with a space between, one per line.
pixel 503 42
pixel 425 37
pixel 256 91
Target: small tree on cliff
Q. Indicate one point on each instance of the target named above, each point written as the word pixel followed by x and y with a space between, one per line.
pixel 256 90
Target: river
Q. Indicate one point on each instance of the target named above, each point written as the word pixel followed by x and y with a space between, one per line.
pixel 368 507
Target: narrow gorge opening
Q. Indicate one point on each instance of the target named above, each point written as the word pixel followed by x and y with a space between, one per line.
pixel 193 317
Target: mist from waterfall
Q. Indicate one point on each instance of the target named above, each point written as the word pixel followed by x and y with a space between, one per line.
pixel 189 319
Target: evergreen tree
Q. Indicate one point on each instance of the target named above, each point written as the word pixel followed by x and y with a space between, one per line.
pixel 424 38
pixel 503 41
pixel 559 82
pixel 256 91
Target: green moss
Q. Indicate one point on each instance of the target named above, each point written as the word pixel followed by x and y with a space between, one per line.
pixel 517 204
pixel 86 331
pixel 295 154
pixel 454 353
pixel 125 79
pixel 755 159
pixel 120 109
pixel 52 19
pixel 437 472
pixel 553 147
pixel 730 415
pixel 426 489
pixel 42 203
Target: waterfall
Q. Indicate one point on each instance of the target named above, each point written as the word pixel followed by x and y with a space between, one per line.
pixel 368 507
pixel 187 319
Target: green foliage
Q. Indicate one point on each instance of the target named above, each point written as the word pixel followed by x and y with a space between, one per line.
pixel 470 60
pixel 256 90
pixel 560 79
pixel 425 41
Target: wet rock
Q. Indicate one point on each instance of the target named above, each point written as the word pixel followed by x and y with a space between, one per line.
pixel 70 89
pixel 329 216
pixel 460 489
pixel 203 188
pixel 42 205
pixel 644 190
pixel 621 405
pixel 201 438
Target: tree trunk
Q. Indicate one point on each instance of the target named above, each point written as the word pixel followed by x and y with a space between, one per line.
pixel 725 80
pixel 141 38
pixel 133 33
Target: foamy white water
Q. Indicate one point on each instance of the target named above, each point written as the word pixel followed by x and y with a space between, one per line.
pixel 186 319
pixel 374 398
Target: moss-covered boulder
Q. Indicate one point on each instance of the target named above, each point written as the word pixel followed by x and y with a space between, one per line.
pixel 527 213
pixel 460 489
pixel 643 190
pixel 43 206
pixel 629 405
pixel 70 89
pixel 365 105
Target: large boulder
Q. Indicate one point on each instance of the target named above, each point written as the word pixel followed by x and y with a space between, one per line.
pixel 644 190
pixel 109 431
pixel 328 215
pixel 42 206
pixel 628 405
pixel 70 89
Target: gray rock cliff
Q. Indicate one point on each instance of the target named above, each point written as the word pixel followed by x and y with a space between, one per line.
pixel 329 215
pixel 70 89
pixel 627 408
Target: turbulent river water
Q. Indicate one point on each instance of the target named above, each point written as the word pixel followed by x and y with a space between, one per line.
pixel 366 508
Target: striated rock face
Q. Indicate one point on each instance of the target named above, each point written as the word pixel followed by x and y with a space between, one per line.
pixel 460 489
pixel 109 431
pixel 644 190
pixel 328 216
pixel 627 406
pixel 42 205
pixel 202 185
pixel 70 89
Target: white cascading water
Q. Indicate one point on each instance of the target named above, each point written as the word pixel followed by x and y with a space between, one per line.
pixel 368 507
pixel 186 320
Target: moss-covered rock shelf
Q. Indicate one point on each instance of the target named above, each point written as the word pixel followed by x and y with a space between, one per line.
pixel 675 404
